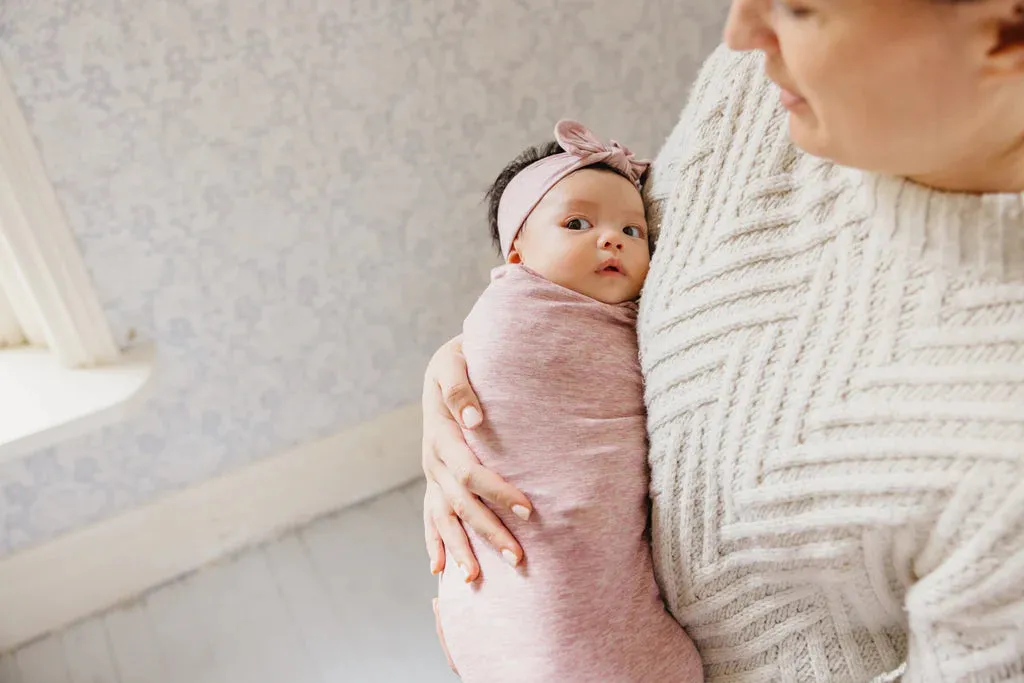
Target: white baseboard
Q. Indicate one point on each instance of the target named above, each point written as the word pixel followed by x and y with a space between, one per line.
pixel 88 571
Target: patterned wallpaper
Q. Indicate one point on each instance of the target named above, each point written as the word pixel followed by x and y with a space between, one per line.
pixel 285 196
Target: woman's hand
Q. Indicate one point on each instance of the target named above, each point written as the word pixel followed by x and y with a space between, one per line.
pixel 455 478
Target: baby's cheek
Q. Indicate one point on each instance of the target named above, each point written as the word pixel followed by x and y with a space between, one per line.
pixel 570 269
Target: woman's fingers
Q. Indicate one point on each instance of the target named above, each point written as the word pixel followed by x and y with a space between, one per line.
pixel 452 453
pixel 449 372
pixel 455 478
pixel 449 404
pixel 453 536
pixel 462 403
pixel 490 486
pixel 437 419
pixel 435 547
pixel 462 507
pixel 439 519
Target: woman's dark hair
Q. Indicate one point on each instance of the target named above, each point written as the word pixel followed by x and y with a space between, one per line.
pixel 529 156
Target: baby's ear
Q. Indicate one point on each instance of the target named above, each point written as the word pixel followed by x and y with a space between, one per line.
pixel 513 254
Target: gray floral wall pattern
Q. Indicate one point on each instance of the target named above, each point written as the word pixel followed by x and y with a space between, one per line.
pixel 285 196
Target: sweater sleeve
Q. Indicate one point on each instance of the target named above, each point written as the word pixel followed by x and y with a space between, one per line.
pixel 966 611
pixel 695 136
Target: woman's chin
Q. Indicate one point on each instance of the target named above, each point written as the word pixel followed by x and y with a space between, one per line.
pixel 805 134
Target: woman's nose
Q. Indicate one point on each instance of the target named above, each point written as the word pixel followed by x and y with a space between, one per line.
pixel 747 27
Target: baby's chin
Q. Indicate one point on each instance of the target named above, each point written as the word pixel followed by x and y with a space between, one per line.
pixel 614 301
pixel 612 295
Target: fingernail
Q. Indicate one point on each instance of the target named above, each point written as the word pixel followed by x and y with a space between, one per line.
pixel 521 512
pixel 471 417
pixel 465 572
pixel 433 569
pixel 510 557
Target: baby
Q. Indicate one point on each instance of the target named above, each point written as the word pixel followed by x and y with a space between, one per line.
pixel 552 354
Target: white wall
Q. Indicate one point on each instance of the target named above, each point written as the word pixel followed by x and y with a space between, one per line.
pixel 285 195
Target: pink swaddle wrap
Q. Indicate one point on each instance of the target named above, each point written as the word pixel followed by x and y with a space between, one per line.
pixel 559 380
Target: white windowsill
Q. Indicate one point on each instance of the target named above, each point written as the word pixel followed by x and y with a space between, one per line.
pixel 42 402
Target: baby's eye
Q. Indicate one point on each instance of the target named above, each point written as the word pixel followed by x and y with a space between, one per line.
pixel 578 224
pixel 632 231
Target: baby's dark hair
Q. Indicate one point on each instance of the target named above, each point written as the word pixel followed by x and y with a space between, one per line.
pixel 526 158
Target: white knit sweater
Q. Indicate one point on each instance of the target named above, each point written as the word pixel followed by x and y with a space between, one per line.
pixel 834 367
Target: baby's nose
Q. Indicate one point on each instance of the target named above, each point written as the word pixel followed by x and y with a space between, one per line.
pixel 611 241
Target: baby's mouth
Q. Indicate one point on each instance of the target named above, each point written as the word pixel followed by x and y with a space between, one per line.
pixel 611 267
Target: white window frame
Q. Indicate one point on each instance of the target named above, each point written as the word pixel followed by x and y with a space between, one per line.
pixel 11 333
pixel 46 296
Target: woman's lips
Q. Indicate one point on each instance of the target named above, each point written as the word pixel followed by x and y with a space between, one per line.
pixel 790 100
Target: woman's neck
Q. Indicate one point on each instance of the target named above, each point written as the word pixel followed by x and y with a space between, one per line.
pixel 1001 174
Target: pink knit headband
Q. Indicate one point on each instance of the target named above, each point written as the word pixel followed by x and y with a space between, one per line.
pixel 529 186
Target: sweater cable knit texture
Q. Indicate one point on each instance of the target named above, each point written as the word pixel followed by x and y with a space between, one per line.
pixel 834 367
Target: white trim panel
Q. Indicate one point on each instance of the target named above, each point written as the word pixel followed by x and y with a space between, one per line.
pixel 45 588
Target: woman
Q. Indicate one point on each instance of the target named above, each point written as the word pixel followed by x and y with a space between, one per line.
pixel 832 338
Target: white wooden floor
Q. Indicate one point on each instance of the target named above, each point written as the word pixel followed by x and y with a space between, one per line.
pixel 345 600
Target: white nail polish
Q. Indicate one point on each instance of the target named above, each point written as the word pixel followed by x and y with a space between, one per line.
pixel 471 417
pixel 521 512
pixel 510 557
pixel 465 572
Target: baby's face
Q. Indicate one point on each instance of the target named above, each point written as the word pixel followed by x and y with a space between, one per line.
pixel 588 234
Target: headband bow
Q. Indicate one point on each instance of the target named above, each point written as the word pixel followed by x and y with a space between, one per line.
pixel 578 141
pixel 582 149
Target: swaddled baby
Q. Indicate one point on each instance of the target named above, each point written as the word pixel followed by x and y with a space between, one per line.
pixel 552 355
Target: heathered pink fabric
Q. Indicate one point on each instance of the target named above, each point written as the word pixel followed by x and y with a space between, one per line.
pixel 558 377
